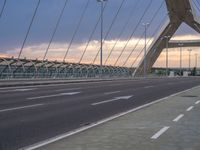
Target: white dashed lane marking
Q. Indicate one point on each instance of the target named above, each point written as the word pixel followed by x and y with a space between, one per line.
pixel 109 93
pixel 22 107
pixel 159 133
pixel 178 117
pixel 190 108
pixel 197 102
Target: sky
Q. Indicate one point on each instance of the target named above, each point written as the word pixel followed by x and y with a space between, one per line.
pixel 17 15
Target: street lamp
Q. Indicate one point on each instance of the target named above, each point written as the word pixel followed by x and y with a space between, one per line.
pixel 101 49
pixel 167 46
pixel 180 45
pixel 145 48
pixel 189 50
pixel 196 60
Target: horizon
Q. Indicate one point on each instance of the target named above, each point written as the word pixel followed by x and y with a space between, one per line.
pixel 17 12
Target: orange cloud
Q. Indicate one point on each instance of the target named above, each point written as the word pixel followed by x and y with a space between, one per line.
pixel 4 55
pixel 57 52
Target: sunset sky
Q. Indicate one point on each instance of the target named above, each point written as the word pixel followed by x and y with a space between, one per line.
pixel 17 15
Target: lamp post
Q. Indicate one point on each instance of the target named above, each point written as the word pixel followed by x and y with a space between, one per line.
pixel 196 60
pixel 145 47
pixel 101 49
pixel 180 45
pixel 167 46
pixel 189 50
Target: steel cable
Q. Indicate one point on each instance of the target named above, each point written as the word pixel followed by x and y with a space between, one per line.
pixel 55 29
pixel 91 35
pixel 29 28
pixel 154 33
pixel 3 7
pixel 152 19
pixel 136 27
pixel 112 23
pixel 76 30
pixel 122 31
pixel 197 3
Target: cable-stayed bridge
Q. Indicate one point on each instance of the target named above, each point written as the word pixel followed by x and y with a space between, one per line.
pixel 71 39
pixel 123 45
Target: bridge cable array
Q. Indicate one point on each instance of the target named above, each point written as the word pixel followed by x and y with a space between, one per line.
pixel 56 28
pixel 91 35
pixel 154 34
pixel 133 32
pixel 109 30
pixel 76 30
pixel 152 19
pixel 197 5
pixel 29 28
pixel 129 18
pixel 122 31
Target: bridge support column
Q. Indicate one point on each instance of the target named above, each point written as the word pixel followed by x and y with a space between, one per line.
pixel 179 11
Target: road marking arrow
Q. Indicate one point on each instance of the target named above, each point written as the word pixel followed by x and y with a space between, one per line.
pixel 114 99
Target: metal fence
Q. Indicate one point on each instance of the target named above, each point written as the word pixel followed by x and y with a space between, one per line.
pixel 23 68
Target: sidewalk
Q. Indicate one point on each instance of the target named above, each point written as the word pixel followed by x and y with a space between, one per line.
pixel 172 124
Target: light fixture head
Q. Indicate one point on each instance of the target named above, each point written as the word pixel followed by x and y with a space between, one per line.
pixel 101 0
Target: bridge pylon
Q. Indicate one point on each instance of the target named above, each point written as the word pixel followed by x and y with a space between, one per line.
pixel 179 11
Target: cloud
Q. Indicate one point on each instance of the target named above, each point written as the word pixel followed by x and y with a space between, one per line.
pixel 4 55
pixel 58 50
pixel 186 37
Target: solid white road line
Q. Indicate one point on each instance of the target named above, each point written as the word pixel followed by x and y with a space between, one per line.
pixel 22 107
pixel 109 93
pixel 159 133
pixel 190 108
pixel 54 95
pixel 197 102
pixel 178 117
pixel 65 135
pixel 114 99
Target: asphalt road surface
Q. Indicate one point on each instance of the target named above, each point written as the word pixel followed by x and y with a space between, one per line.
pixel 34 113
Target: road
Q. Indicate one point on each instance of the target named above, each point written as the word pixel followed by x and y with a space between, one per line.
pixel 34 113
